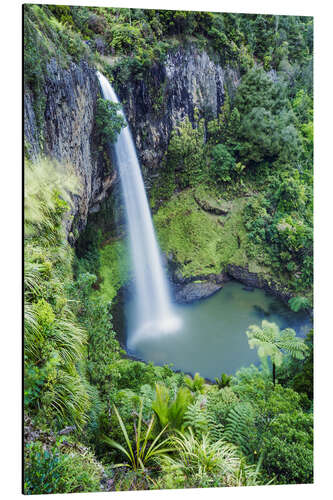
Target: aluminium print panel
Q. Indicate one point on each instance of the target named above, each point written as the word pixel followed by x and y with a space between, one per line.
pixel 168 249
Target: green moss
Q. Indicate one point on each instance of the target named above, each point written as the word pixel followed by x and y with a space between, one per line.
pixel 201 242
pixel 114 268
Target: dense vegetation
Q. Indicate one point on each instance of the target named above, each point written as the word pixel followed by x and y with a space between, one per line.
pixel 87 407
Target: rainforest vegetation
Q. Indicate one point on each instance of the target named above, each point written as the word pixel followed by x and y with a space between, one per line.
pixel 96 420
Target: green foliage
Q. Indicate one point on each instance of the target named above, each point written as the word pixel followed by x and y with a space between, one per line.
pixel 48 34
pixel 103 348
pixel 266 122
pixel 200 242
pixel 298 303
pixel 279 424
pixel 109 120
pixel 196 417
pixel 218 406
pixel 240 425
pixel 54 343
pixel 195 384
pixel 299 374
pixel 50 470
pixel 185 157
pixel 256 387
pixel 222 164
pixel 62 13
pixel 217 127
pixel 48 190
pixel 290 195
pixel 113 269
pixel 223 381
pixel 124 37
pixel 200 463
pixel 260 147
pixel 171 412
pixel 143 452
pixel 283 231
pixel 289 449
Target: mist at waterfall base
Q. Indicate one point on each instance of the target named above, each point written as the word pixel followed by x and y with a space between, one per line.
pixel 153 312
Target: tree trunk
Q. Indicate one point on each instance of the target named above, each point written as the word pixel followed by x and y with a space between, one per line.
pixel 274 374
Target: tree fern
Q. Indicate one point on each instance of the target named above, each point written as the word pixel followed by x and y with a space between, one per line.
pixel 270 341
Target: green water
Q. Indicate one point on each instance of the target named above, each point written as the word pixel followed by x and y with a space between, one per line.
pixel 212 338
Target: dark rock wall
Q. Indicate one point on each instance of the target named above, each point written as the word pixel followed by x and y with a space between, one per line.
pixel 254 280
pixel 186 80
pixel 69 134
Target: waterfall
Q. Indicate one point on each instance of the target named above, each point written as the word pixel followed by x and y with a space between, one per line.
pixel 153 310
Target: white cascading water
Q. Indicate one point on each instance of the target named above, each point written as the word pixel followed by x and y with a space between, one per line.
pixel 154 314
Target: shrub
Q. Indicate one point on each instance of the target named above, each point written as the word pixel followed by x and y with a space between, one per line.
pixel 53 471
pixel 186 153
pixel 124 37
pixel 288 453
pixel 109 120
pixel 222 164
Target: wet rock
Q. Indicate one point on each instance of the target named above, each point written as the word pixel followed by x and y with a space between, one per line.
pixel 30 127
pixel 254 280
pixel 196 291
pixel 204 205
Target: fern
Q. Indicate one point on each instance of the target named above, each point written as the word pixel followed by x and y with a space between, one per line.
pixel 196 417
pixel 218 407
pixel 227 396
pixel 240 420
pixel 215 429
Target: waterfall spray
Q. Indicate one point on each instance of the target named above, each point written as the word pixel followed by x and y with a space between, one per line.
pixel 153 310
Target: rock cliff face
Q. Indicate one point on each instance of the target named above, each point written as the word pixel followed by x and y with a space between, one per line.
pixel 186 80
pixel 69 134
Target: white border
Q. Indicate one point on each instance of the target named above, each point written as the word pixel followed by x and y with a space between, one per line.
pixel 11 245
